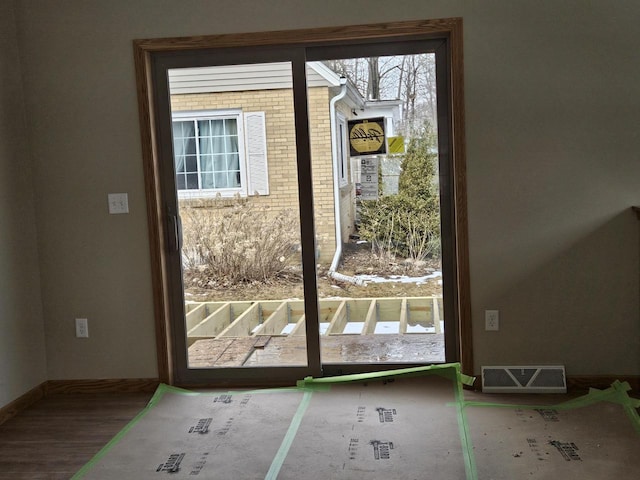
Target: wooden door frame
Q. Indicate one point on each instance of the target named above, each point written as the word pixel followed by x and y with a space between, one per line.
pixel 449 28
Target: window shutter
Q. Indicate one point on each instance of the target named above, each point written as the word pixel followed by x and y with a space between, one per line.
pixel 256 144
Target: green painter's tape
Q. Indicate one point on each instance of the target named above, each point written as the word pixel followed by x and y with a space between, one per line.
pixel 616 393
pixel 401 372
pixel 315 387
pixel 463 427
pixel 622 388
pixel 164 388
pixel 278 460
pixel 267 390
pixel 629 404
pixel 157 395
pixel 594 396
pixel 304 382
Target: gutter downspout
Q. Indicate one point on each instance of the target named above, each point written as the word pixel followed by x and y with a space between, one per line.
pixel 336 190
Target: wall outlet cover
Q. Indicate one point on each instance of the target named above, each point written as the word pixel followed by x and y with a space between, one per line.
pixel 118 203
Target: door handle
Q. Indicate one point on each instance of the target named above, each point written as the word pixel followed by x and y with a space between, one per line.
pixel 175 233
pixel 179 232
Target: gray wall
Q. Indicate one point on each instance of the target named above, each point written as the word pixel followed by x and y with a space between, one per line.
pixel 22 350
pixel 552 107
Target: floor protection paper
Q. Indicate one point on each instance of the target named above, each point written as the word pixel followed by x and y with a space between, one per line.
pixel 385 429
pixel 207 436
pixel 404 424
pixel 573 441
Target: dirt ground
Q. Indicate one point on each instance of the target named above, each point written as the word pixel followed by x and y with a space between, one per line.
pixel 357 259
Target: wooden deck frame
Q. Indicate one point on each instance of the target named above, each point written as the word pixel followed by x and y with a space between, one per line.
pixel 270 317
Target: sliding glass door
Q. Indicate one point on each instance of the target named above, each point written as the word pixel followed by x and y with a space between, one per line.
pixel 306 198
pixel 378 226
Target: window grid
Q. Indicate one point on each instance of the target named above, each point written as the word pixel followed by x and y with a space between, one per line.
pixel 207 154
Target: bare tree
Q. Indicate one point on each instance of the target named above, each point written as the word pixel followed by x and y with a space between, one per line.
pixel 408 78
pixel 373 86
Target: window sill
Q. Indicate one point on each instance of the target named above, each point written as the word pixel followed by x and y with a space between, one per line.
pixel 203 194
pixel 208 202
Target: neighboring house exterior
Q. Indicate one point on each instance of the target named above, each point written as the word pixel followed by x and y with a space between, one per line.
pixel 234 136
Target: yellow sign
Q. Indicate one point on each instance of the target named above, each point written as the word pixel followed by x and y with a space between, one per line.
pixel 366 137
pixel 396 144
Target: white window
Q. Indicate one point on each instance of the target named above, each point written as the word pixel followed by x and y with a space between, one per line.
pixel 220 153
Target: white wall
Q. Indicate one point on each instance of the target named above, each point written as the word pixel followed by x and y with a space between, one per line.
pixel 552 106
pixel 553 103
pixel 22 349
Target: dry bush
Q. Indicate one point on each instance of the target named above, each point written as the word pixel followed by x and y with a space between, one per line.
pixel 407 224
pixel 238 243
pixel 400 227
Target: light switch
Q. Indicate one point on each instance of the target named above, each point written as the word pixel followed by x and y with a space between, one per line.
pixel 118 203
pixel 82 328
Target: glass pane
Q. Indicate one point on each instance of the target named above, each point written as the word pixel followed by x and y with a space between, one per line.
pixel 206 163
pixel 192 181
pixel 217 145
pixel 188 129
pixel 385 282
pixel 241 258
pixel 207 180
pixel 231 126
pixel 204 128
pixel 217 127
pixel 220 180
pixel 177 130
pixel 231 144
pixel 233 179
pixel 205 146
pixel 191 162
pixel 178 146
pixel 233 162
pixel 190 146
pixel 219 163
pixel 180 163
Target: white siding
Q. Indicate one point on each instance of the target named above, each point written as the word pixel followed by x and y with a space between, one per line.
pixel 259 76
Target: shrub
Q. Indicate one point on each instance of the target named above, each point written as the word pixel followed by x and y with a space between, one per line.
pixel 408 224
pixel 240 243
pixel 397 226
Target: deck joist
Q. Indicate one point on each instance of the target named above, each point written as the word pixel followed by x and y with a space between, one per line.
pixel 357 316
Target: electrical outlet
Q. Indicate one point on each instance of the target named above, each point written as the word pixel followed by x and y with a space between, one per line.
pixel 491 320
pixel 82 328
pixel 118 203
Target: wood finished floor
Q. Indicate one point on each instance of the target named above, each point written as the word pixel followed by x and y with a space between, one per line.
pixel 54 438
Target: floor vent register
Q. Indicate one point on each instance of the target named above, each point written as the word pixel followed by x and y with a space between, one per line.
pixel 524 379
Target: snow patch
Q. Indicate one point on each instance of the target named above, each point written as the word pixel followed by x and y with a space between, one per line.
pixel 398 278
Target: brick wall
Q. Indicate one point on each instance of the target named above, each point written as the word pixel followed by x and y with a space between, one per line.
pixel 281 152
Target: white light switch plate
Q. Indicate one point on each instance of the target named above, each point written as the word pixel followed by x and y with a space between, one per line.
pixel 491 320
pixel 82 328
pixel 118 203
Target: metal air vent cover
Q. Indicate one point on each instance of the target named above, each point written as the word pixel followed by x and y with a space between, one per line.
pixel 524 379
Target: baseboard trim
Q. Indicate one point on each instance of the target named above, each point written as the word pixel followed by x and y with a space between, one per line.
pixel 51 387
pixel 106 385
pixel 584 382
pixel 22 402
pixel 148 385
